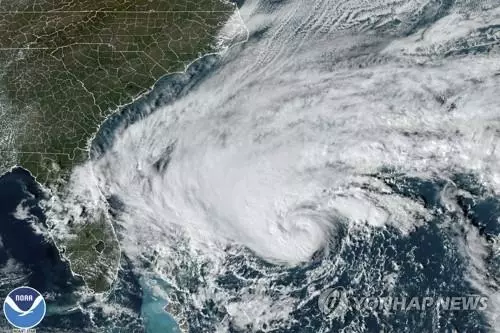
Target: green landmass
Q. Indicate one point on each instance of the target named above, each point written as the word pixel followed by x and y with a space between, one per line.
pixel 66 66
pixel 94 252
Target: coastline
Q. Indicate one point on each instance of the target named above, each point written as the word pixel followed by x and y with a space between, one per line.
pixel 188 78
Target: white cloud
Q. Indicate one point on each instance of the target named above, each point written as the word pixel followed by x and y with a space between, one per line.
pixel 275 148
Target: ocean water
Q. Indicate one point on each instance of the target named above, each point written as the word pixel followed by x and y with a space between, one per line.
pixel 426 260
pixel 153 311
pixel 341 146
pixel 28 258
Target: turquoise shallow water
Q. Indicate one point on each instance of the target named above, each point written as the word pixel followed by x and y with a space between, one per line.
pixel 156 319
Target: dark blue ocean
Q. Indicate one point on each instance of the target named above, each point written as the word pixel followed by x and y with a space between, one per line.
pixel 429 259
pixel 28 258
pixel 426 257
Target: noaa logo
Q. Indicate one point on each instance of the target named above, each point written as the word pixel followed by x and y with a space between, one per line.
pixel 24 307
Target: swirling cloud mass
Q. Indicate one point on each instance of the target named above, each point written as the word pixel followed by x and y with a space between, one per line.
pixel 275 152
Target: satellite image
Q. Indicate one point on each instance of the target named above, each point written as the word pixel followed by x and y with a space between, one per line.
pixel 213 166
